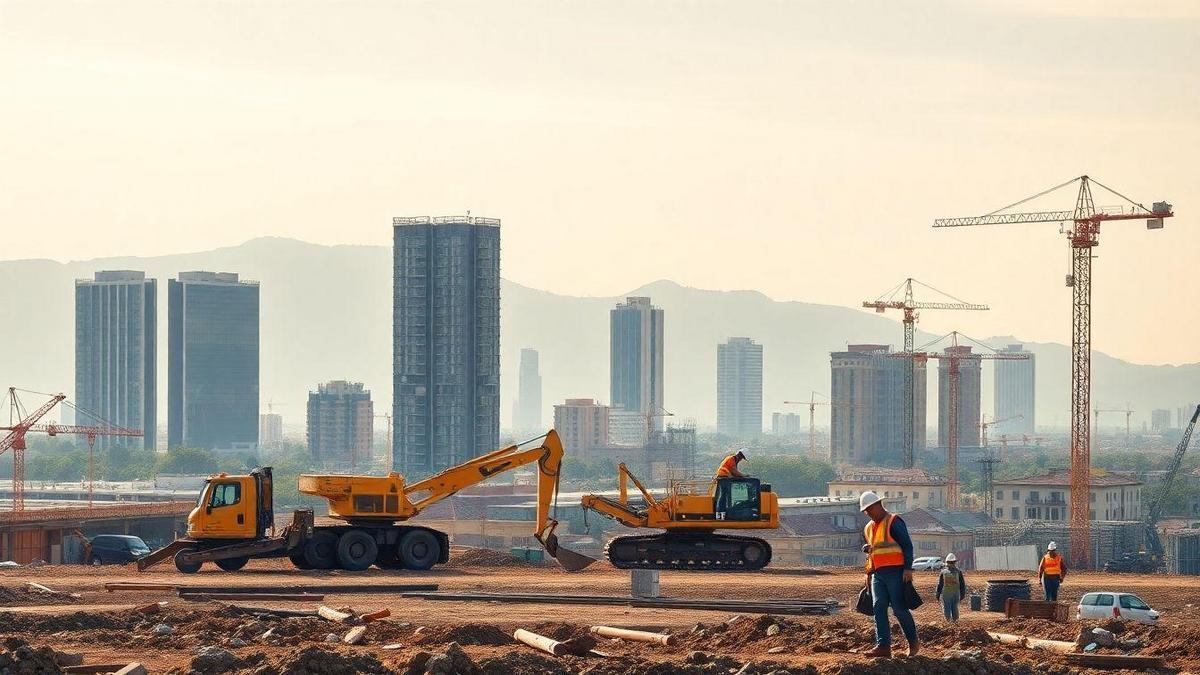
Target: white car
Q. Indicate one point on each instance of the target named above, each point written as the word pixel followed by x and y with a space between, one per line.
pixel 928 563
pixel 1124 606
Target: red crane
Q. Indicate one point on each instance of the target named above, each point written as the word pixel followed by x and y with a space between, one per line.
pixel 26 423
pixel 894 300
pixel 1082 237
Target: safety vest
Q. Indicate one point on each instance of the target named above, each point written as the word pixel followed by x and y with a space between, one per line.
pixel 950 582
pixel 1051 567
pixel 885 552
pixel 728 466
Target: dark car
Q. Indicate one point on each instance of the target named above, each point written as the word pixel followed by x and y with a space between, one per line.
pixel 109 549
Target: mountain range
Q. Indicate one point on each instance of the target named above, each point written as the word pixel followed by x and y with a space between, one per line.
pixel 326 314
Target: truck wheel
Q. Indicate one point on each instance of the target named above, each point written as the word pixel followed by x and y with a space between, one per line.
pixel 356 550
pixel 233 564
pixel 298 561
pixel 186 567
pixel 419 550
pixel 320 551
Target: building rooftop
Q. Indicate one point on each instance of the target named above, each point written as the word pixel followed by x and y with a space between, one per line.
pixel 940 520
pixel 1062 478
pixel 888 476
pixel 809 524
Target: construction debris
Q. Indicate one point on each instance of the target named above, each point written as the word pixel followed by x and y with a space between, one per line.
pixel 375 616
pixel 576 646
pixel 1036 609
pixel 1116 661
pixel 664 639
pixel 331 614
pixel 1059 646
pixel 355 635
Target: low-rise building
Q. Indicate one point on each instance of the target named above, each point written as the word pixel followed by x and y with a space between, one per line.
pixel 938 532
pixel 582 424
pixel 1114 496
pixel 919 488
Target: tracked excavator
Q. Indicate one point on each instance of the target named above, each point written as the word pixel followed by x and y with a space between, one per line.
pixel 234 518
pixel 690 518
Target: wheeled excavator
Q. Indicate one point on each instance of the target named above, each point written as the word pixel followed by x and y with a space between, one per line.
pixel 690 516
pixel 234 518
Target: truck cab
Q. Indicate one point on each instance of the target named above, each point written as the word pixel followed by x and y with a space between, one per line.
pixel 233 507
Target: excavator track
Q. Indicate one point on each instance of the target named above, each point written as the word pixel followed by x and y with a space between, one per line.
pixel 693 552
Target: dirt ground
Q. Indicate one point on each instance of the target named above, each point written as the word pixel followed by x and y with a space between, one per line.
pixel 207 637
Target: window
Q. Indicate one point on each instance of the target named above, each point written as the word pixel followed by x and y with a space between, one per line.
pixel 1033 495
pixel 927 545
pixel 1056 496
pixel 1089 600
pixel 1091 515
pixel 1104 600
pixel 1016 513
pixel 999 512
pixel 1031 513
pixel 1000 494
pixel 887 494
pixel 226 494
pixel 1133 602
pixel 916 495
pixel 900 494
pixel 1016 494
pixel 1092 497
pixel 1053 514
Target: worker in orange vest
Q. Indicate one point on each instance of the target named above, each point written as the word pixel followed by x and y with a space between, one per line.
pixel 727 469
pixel 1051 571
pixel 889 552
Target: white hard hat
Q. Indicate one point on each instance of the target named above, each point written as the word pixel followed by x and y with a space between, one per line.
pixel 951 558
pixel 1052 547
pixel 866 499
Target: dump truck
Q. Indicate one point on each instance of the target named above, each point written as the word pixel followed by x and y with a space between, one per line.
pixel 234 517
pixel 690 514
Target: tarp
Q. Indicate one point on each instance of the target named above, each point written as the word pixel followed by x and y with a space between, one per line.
pixel 1006 557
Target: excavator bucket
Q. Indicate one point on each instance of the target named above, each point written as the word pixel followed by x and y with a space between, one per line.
pixel 568 559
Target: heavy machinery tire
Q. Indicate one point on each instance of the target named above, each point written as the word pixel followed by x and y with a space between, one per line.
pixel 298 561
pixel 754 554
pixel 388 559
pixel 320 551
pixel 186 567
pixel 356 550
pixel 419 550
pixel 233 564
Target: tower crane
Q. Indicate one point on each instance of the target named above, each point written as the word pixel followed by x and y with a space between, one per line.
pixel 984 424
pixel 901 297
pixel 28 423
pixel 1127 413
pixel 954 355
pixel 1083 236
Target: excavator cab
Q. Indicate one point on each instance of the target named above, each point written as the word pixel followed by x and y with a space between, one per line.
pixel 738 499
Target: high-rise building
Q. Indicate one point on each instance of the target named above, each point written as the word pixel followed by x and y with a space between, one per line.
pixel 1013 393
pixel 867 405
pixel 270 430
pixel 636 358
pixel 1160 420
pixel 786 424
pixel 1184 415
pixel 527 411
pixel 627 428
pixel 582 424
pixel 739 387
pixel 445 341
pixel 340 423
pixel 212 361
pixel 968 398
pixel 115 337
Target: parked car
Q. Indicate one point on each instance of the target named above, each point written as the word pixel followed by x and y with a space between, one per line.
pixel 110 549
pixel 928 563
pixel 1125 606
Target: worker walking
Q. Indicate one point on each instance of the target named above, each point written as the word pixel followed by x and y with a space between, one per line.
pixel 1051 571
pixel 727 469
pixel 951 588
pixel 889 552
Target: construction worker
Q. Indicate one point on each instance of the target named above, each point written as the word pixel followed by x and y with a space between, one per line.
pixel 727 469
pixel 889 567
pixel 951 588
pixel 1051 571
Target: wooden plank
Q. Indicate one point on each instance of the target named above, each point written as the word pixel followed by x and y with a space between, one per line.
pixel 132 669
pixel 1116 661
pixel 751 607
pixel 94 668
pixel 297 597
pixel 356 588
pixel 127 586
pixel 248 609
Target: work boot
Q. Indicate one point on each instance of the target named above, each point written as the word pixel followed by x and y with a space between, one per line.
pixel 879 652
pixel 914 647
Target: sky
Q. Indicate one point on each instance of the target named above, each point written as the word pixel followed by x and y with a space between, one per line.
pixel 802 149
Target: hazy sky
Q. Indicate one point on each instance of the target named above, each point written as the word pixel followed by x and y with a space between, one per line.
pixel 801 149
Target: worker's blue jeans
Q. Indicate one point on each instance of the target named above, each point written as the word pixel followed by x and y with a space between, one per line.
pixel 1050 587
pixel 887 588
pixel 950 606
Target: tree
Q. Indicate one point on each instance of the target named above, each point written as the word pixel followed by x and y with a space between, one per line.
pixel 792 476
pixel 187 461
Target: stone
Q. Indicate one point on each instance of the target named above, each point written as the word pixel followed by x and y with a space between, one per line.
pixel 332 637
pixel 163 629
pixel 418 661
pixel 777 650
pixel 1103 637
pixel 698 657
pixel 212 659
pixel 773 629
pixel 236 642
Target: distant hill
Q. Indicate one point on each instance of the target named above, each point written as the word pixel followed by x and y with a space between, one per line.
pixel 326 314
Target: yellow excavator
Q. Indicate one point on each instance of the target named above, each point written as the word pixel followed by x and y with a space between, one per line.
pixel 234 518
pixel 690 514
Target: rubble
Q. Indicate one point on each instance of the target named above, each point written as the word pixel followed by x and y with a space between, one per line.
pixel 319 661
pixel 18 656
pixel 485 557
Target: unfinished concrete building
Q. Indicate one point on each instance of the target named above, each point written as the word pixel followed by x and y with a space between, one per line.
pixel 445 341
pixel 867 410
pixel 340 423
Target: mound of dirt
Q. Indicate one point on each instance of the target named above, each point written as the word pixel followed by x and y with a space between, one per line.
pixel 18 656
pixel 318 661
pixel 486 557
pixel 521 663
pixel 76 621
pixel 16 596
pixel 922 665
pixel 475 634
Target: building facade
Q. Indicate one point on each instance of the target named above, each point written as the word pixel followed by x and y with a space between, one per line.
pixel 527 410
pixel 1048 497
pixel 636 358
pixel 739 387
pixel 115 356
pixel 340 423
pixel 212 361
pixel 786 424
pixel 582 424
pixel 1160 420
pixel 270 430
pixel 969 373
pixel 918 488
pixel 1014 394
pixel 445 341
pixel 867 405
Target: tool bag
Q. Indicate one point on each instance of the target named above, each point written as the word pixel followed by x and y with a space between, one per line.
pixel 865 604
pixel 911 597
